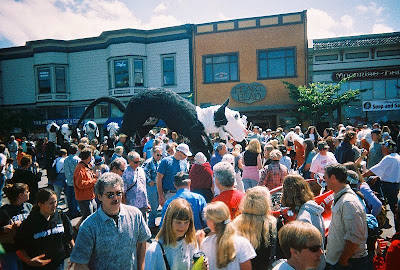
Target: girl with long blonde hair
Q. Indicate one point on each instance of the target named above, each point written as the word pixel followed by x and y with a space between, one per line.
pixel 223 248
pixel 176 242
pixel 258 225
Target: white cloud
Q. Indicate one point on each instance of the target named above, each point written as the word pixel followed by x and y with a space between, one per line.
pixel 222 17
pixel 160 7
pixel 371 9
pixel 63 19
pixel 320 24
pixel 381 28
pixel 161 21
pixel 347 22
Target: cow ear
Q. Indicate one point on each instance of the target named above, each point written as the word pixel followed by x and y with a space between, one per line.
pixel 225 103
pixel 221 110
pixel 219 115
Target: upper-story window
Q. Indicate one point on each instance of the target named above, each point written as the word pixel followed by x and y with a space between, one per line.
pixel 51 79
pixel 221 68
pixel 121 73
pixel 138 75
pixel 277 63
pixel 168 70
pixel 126 71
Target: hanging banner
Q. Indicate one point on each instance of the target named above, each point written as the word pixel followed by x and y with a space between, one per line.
pixel 381 105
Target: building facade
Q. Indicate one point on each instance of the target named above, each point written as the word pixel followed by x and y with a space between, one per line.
pixel 55 80
pixel 374 61
pixel 247 60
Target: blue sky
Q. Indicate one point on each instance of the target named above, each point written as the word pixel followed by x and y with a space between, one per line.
pixel 27 20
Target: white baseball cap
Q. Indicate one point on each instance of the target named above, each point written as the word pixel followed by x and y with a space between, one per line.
pixel 184 148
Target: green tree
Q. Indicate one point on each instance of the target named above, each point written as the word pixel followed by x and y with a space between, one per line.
pixel 320 99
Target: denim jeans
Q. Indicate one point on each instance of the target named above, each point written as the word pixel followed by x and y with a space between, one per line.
pixel 73 210
pixel 11 261
pixel 249 183
pixel 152 195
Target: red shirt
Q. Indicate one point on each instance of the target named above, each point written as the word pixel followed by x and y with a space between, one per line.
pixel 232 199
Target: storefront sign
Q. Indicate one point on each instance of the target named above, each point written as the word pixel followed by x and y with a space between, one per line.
pixel 368 74
pixel 248 93
pixel 57 121
pixel 381 105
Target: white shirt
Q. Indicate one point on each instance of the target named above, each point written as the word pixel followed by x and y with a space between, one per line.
pixel 319 162
pixel 283 266
pixel 244 252
pixel 388 169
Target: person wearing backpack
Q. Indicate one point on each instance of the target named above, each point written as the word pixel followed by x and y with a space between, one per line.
pixel 348 229
pixel 59 183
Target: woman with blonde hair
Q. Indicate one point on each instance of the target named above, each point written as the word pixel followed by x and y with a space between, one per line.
pixel 176 242
pixel 258 225
pixel 223 248
pixel 252 164
pixel 297 195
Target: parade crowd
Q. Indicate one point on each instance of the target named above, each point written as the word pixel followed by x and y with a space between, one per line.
pixel 216 212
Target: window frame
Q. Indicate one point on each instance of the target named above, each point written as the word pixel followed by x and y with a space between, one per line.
pixel 163 57
pixel 118 73
pixel 53 79
pixel 294 49
pixel 228 54
pixel 131 71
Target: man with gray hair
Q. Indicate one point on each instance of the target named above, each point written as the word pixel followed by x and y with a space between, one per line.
pixel 224 174
pixel 115 236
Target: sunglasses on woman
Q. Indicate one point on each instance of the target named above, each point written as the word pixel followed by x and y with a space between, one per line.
pixel 314 248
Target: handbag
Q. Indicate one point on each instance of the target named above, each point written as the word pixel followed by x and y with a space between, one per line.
pixel 66 241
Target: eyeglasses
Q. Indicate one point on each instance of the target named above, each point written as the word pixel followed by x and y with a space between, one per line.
pixel 159 155
pixel 136 162
pixel 314 248
pixel 111 195
pixel 122 170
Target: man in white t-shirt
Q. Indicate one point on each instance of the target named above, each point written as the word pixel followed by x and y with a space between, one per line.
pixel 322 159
pixel 388 170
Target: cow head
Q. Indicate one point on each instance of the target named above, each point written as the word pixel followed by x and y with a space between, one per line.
pixel 66 131
pixel 231 122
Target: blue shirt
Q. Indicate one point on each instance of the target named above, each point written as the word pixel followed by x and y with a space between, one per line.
pixel 150 167
pixel 170 166
pixel 197 202
pixel 215 158
pixel 103 244
pixel 147 148
pixel 70 164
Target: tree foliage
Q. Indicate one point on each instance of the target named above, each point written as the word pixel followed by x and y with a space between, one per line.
pixel 320 99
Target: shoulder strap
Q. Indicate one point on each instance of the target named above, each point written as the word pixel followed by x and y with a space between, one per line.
pixel 336 200
pixel 164 256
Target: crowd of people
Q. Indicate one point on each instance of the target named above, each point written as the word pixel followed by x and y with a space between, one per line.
pixel 218 209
